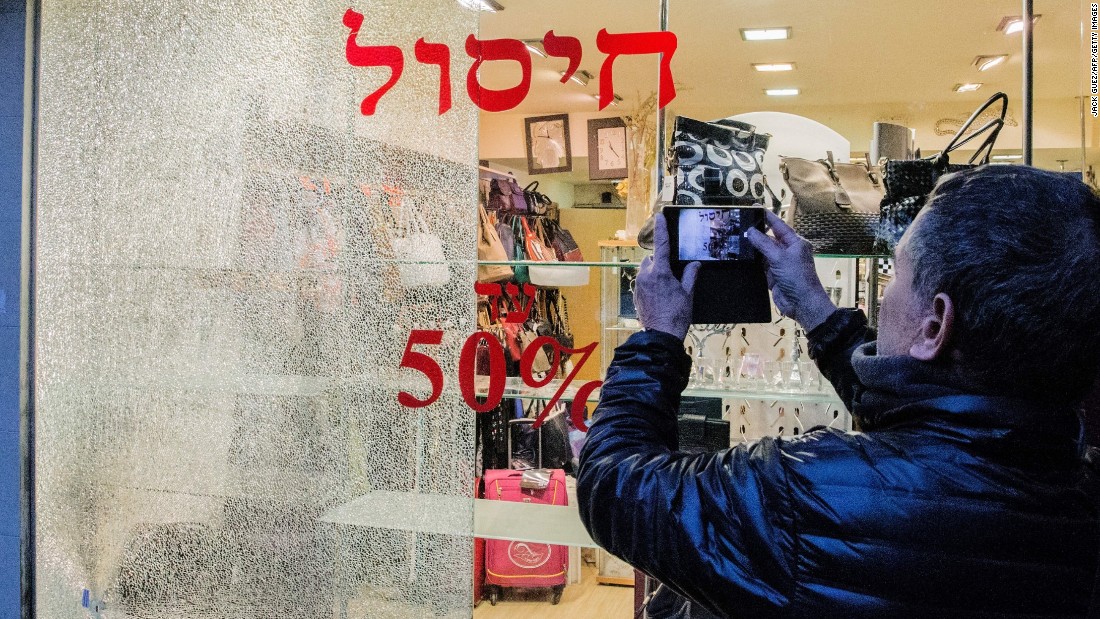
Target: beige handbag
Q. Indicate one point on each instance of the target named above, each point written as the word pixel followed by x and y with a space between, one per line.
pixel 835 206
pixel 490 249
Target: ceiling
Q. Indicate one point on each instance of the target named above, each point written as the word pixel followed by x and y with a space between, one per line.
pixel 909 52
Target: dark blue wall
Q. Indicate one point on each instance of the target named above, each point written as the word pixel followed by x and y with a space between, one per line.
pixel 12 28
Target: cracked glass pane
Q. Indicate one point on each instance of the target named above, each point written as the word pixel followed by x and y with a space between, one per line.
pixel 227 273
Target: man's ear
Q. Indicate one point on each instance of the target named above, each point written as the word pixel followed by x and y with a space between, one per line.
pixel 936 326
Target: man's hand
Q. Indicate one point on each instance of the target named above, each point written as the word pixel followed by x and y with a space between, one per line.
pixel 664 302
pixel 792 277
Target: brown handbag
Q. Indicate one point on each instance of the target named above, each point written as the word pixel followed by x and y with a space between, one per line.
pixel 490 249
pixel 835 206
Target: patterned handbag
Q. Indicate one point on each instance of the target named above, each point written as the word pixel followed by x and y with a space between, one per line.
pixel 908 182
pixel 717 163
pixel 835 206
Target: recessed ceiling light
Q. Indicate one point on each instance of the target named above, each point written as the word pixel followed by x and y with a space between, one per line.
pixel 766 34
pixel 581 77
pixel 781 92
pixel 967 87
pixel 1014 23
pixel 535 47
pixel 984 63
pixel 1007 157
pixel 778 66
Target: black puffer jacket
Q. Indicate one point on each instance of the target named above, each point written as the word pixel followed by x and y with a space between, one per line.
pixel 946 505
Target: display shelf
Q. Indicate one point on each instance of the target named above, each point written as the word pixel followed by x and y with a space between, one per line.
pixel 815 397
pixel 557 263
pixel 515 388
pixel 623 329
pixel 859 256
pixel 463 516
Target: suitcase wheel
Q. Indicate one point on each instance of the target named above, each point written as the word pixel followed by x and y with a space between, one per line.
pixel 557 594
pixel 494 596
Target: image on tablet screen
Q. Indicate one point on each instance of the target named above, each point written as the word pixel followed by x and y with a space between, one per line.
pixel 712 235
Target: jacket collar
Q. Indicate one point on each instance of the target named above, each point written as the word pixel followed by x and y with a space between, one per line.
pixel 900 389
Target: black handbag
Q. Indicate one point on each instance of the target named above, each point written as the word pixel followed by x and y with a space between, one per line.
pixel 701 434
pixel 537 202
pixel 908 182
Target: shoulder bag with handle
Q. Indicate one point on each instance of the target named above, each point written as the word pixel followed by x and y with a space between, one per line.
pixel 519 253
pixel 490 249
pixel 419 253
pixel 716 163
pixel 908 182
pixel 550 276
pixel 565 247
pixel 835 206
pixel 537 202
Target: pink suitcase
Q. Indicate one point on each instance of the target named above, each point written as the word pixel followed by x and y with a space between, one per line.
pixel 524 563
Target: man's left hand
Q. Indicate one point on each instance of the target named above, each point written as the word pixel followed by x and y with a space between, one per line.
pixel 663 301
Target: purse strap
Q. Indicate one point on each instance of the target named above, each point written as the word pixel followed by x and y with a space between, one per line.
pixel 563 313
pixel 993 126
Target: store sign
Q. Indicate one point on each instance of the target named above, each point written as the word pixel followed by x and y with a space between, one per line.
pixel 490 100
pixel 494 351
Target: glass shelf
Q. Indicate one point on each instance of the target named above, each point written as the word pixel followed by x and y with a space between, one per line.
pixel 454 515
pixel 623 329
pixel 558 263
pixel 515 388
pixel 860 256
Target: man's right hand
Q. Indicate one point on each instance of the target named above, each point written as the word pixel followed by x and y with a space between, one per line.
pixel 792 277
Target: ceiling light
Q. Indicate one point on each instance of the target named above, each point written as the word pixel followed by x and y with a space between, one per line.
pixel 1007 157
pixel 766 34
pixel 781 92
pixel 778 66
pixel 614 100
pixel 984 63
pixel 535 47
pixel 491 6
pixel 581 77
pixel 967 87
pixel 1014 23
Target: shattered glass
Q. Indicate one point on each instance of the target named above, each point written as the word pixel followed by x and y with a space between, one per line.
pixel 221 312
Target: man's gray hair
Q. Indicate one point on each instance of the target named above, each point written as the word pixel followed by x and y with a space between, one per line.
pixel 1018 251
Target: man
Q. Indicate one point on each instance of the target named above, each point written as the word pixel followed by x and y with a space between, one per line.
pixel 962 495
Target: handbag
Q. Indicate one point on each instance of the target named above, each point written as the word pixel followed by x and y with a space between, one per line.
pixel 716 163
pixel 559 319
pixel 565 247
pixel 419 253
pixel 507 238
pixel 908 182
pixel 537 203
pixel 508 195
pixel 490 249
pixel 550 276
pixel 520 271
pixel 835 206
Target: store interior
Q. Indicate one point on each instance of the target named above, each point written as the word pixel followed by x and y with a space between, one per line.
pixel 821 79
